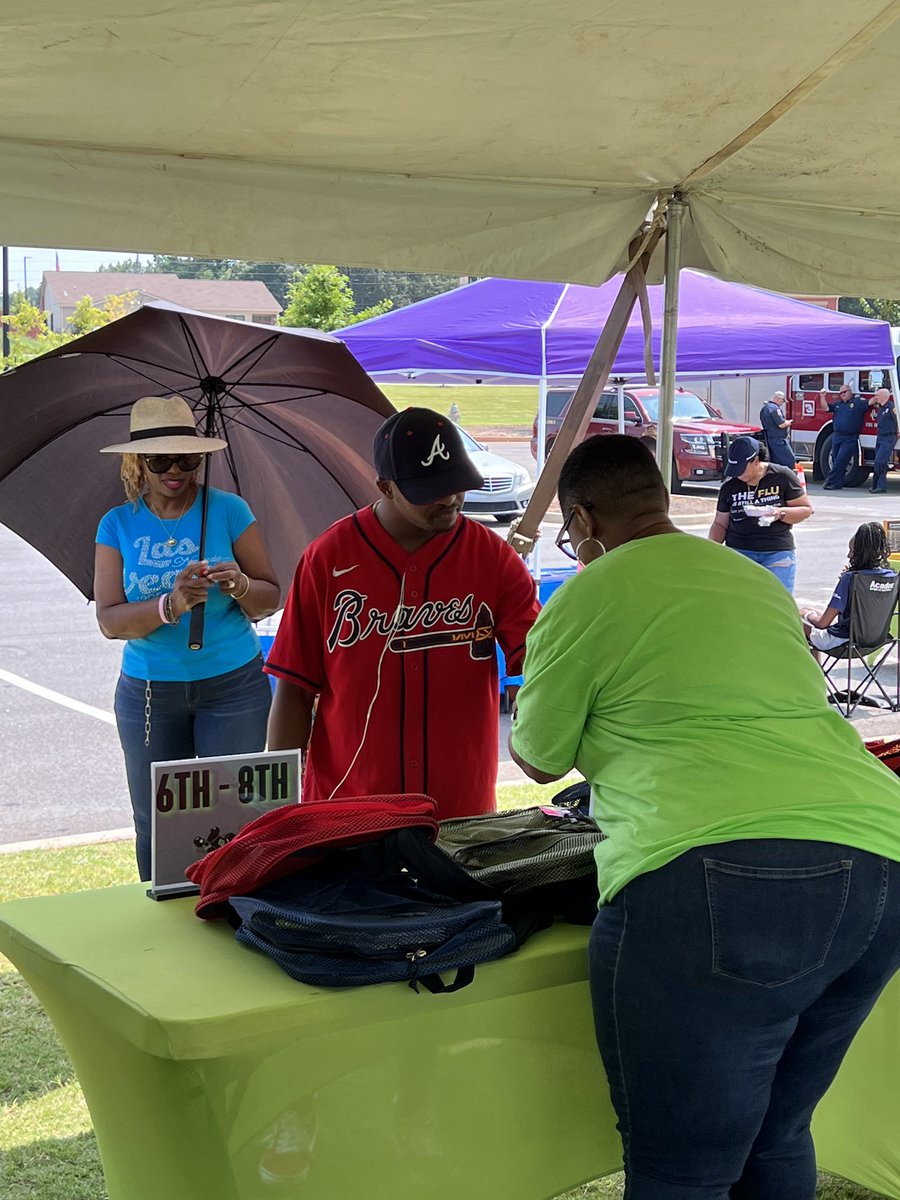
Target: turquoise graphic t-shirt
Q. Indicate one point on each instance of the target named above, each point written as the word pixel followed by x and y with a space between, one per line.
pixel 149 567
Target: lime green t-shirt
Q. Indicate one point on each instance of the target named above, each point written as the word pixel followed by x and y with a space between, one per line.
pixel 674 675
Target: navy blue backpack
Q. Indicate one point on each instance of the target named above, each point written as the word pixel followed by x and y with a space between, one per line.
pixel 366 915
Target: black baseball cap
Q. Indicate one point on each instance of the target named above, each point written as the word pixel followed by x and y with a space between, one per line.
pixel 423 453
pixel 742 451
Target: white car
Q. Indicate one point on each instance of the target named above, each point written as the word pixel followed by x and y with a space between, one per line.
pixel 507 486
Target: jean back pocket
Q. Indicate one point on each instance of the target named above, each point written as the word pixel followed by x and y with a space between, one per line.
pixel 770 925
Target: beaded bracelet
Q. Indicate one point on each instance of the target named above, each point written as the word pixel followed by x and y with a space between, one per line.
pixel 170 611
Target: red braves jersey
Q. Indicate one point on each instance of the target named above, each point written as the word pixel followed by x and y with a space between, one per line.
pixel 400 648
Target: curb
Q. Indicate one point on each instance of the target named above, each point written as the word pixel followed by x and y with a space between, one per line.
pixel 704 518
pixel 499 437
pixel 72 839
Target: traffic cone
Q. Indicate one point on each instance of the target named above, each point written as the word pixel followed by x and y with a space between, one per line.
pixel 798 471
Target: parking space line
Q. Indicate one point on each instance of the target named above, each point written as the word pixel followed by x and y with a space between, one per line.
pixel 57 697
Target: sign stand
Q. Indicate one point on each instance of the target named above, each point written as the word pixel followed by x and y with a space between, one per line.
pixel 199 804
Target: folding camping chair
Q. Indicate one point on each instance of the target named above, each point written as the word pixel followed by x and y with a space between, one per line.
pixel 873 607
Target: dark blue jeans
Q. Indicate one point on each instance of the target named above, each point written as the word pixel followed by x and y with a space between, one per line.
pixel 727 986
pixel 225 714
pixel 844 447
pixel 884 449
pixel 781 451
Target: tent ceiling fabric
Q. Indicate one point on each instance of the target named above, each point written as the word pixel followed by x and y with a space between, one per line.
pixel 464 136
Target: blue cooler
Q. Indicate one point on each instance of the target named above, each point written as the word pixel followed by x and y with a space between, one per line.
pixel 549 582
pixel 265 631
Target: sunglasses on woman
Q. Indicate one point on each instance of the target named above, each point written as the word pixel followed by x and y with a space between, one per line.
pixel 160 463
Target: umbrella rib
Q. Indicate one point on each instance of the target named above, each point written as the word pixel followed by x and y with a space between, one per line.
pixel 291 440
pixel 257 353
pixel 107 412
pixel 198 359
pixel 126 360
pixel 310 395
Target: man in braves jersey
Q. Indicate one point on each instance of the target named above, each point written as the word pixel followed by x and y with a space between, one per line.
pixel 391 622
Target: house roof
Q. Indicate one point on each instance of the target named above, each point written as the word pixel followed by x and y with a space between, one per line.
pixel 205 295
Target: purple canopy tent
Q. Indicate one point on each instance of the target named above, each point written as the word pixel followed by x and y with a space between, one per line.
pixel 506 330
pixel 515 331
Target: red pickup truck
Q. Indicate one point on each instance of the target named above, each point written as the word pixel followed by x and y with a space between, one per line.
pixel 700 437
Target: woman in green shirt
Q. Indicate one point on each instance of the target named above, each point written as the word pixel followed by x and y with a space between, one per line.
pixel 750 881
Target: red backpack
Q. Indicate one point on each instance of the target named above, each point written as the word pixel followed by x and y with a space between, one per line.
pixel 286 839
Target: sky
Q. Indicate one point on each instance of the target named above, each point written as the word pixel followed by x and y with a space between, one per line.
pixel 34 260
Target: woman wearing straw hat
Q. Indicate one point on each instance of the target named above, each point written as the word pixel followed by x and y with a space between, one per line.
pixel 172 702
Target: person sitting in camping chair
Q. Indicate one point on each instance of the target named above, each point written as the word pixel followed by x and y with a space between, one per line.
pixel 830 630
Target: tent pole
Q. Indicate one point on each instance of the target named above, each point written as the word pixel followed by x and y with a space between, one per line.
pixel 674 223
pixel 535 556
pixel 596 373
pixel 620 405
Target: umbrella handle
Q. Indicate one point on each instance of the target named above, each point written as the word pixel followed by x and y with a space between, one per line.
pixel 195 636
pixel 198 612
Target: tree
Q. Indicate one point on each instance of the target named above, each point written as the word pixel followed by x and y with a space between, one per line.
pixel 882 310
pixel 401 287
pixel 128 266
pixel 29 332
pixel 87 316
pixel 321 297
pixel 370 286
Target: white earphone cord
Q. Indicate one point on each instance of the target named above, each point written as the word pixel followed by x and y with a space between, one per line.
pixel 387 642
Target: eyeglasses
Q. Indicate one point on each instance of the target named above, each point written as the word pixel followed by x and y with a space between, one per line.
pixel 160 463
pixel 563 541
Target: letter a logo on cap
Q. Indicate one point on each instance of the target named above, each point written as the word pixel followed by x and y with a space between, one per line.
pixel 437 451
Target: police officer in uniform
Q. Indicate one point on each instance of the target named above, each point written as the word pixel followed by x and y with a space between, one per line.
pixel 777 429
pixel 886 416
pixel 848 413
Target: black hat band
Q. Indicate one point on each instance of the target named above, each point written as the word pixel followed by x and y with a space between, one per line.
pixel 165 431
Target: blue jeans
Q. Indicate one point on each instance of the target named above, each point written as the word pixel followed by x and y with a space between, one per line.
pixel 884 449
pixel 727 987
pixel 781 451
pixel 844 447
pixel 782 564
pixel 225 714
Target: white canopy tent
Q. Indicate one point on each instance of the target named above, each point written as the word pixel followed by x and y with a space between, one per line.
pixel 524 140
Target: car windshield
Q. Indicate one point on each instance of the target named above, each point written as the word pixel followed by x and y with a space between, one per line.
pixel 469 442
pixel 688 407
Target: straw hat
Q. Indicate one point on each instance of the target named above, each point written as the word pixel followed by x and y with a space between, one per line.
pixel 164 425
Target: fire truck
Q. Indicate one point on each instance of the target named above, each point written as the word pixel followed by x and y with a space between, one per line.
pixel 806 406
pixel 807 394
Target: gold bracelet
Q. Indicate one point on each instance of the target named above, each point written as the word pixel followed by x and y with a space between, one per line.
pixel 246 589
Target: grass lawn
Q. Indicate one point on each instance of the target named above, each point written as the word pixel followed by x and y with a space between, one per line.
pixel 480 407
pixel 47 1147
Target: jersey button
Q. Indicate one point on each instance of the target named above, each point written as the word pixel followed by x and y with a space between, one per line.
pixel 413 762
pixel 414 666
pixel 415 595
pixel 412 570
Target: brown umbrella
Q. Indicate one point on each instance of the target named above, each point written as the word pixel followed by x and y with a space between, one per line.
pixel 297 410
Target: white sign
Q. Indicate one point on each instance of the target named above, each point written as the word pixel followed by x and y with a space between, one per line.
pixel 199 804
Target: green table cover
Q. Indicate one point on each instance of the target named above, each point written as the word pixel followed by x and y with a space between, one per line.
pixel 209 1073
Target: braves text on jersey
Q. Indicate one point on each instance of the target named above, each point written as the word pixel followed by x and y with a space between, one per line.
pixel 411 637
